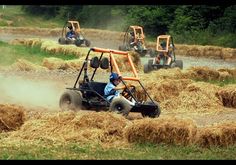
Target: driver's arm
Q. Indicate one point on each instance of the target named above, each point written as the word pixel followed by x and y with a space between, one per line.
pixel 122 87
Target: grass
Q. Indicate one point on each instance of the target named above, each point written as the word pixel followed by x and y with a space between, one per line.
pixel 220 83
pixel 10 54
pixel 205 37
pixel 41 150
pixel 20 19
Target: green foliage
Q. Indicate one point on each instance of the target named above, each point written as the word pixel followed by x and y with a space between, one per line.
pixel 35 150
pixel 154 19
pixel 190 24
pixel 45 10
pixel 222 82
pixel 10 54
pixel 206 37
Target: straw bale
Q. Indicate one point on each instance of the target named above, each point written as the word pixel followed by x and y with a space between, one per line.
pixel 27 42
pixel 24 65
pixel 229 54
pixel 196 97
pixel 212 51
pixel 55 32
pixel 166 88
pixel 117 38
pixel 173 73
pixel 227 95
pixel 221 134
pixel 169 130
pixel 97 127
pixel 194 50
pixel 225 76
pixel 203 73
pixel 53 63
pixel 231 72
pixel 136 59
pixel 11 117
pixel 74 64
pixel 111 124
pixel 17 41
pixel 182 49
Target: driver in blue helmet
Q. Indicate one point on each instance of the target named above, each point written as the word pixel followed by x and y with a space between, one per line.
pixel 111 89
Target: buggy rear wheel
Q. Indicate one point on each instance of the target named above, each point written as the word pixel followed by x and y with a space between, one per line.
pixel 146 68
pixel 123 48
pixel 120 106
pixel 152 52
pixel 71 100
pixel 62 41
pixel 87 42
pixel 179 63
pixel 155 113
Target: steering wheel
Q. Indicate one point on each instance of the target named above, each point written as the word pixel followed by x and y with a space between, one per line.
pixel 127 91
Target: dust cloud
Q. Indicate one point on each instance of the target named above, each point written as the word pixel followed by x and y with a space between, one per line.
pixel 29 93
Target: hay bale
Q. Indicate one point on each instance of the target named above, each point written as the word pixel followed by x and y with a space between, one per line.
pixel 17 42
pixel 182 49
pixel 166 88
pixel 111 124
pixel 28 42
pixel 212 51
pixel 24 65
pixel 136 59
pixel 173 73
pixel 167 130
pixel 229 54
pixel 196 97
pixel 221 134
pixel 74 64
pixel 195 51
pixel 227 95
pixel 231 72
pixel 96 127
pixel 203 73
pixel 12 117
pixel 53 63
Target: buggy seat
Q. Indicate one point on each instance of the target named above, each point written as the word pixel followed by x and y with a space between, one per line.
pixel 98 87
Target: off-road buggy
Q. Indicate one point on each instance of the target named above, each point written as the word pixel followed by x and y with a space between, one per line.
pixel 134 40
pixel 88 93
pixel 165 49
pixel 78 38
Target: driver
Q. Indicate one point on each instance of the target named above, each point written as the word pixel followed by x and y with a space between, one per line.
pixel 71 34
pixel 111 89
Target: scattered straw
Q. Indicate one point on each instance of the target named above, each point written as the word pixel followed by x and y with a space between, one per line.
pixel 11 117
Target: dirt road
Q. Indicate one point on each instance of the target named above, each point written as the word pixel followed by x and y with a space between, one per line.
pixel 96 42
pixel 42 90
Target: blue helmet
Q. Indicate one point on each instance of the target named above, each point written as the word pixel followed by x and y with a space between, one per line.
pixel 114 76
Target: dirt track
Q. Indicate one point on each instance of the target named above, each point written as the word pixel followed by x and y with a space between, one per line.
pixel 41 90
pixel 96 42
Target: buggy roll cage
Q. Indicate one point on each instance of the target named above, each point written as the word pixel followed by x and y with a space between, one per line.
pixel 112 60
pixel 168 41
pixel 75 26
pixel 138 34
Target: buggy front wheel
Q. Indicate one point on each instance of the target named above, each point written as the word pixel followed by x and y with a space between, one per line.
pixel 120 106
